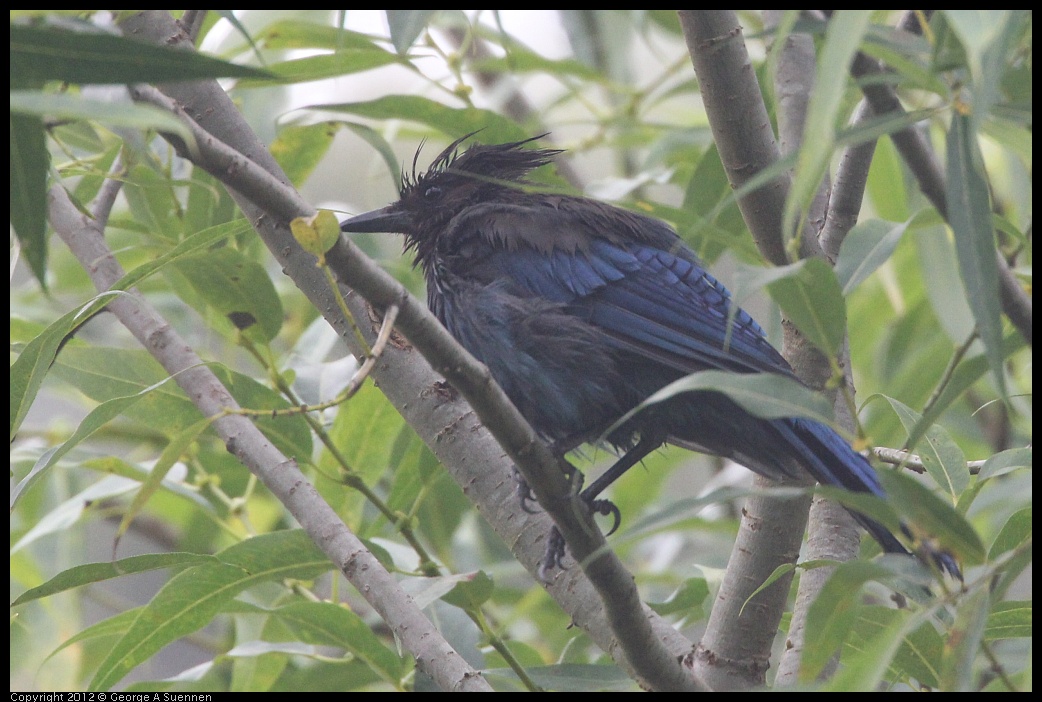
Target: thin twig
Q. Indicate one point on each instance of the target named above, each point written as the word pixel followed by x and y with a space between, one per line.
pixel 106 197
pixel 901 457
pixel 390 314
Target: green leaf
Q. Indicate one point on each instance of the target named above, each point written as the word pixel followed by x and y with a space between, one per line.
pixel 765 395
pixel 811 297
pixel 191 599
pixel 886 183
pixel 406 25
pixel 908 63
pixel 171 453
pixel 565 677
pixel 316 234
pixel 365 426
pixel 1015 532
pixel 987 36
pixel 288 432
pixel 777 574
pixel 228 16
pixel 942 457
pixel 237 288
pixel 300 149
pixel 111 465
pixel 299 34
pixel 99 167
pixel 969 212
pixel 153 202
pixel 69 512
pixel 879 126
pixel 918 655
pixel 471 592
pixel 866 247
pixel 116 625
pixel 90 573
pixel 65 106
pixel 685 600
pixel 1009 620
pixel 31 366
pixel 95 419
pixel 418 476
pixel 29 163
pixel 521 60
pixel 931 518
pixel 312 68
pixel 48 53
pixel 867 670
pixel 209 204
pixel 940 271
pixel 424 591
pixel 106 374
pixel 1005 462
pixel 964 642
pixel 191 245
pixel 833 614
pixel 454 122
pixel 328 624
pixel 966 374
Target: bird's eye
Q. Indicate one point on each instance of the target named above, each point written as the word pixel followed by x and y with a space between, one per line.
pixel 431 193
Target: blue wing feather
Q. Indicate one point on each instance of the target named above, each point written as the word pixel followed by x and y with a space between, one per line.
pixel 649 299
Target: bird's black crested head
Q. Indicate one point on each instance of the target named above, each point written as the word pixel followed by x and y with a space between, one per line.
pixel 493 165
pixel 453 182
pixel 456 180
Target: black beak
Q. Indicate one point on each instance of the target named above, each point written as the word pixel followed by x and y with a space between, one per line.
pixel 387 219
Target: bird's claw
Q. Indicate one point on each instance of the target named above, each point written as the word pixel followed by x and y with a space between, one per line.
pixel 607 508
pixel 553 557
pixel 524 493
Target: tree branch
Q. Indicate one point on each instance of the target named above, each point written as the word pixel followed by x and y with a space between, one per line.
pixel 735 106
pixel 736 648
pixel 832 532
pixel 793 85
pixel 848 190
pixel 473 460
pixel 244 440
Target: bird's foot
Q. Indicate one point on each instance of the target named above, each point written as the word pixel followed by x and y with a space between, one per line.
pixel 553 557
pixel 524 493
pixel 606 508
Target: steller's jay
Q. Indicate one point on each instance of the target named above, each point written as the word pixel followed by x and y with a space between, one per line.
pixel 582 310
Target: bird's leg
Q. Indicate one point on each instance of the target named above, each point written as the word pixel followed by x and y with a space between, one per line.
pixel 555 546
pixel 559 448
pixel 553 556
pixel 648 443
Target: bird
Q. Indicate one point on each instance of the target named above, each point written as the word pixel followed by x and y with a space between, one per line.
pixel 581 310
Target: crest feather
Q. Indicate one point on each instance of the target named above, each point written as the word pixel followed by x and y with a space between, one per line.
pixel 505 163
